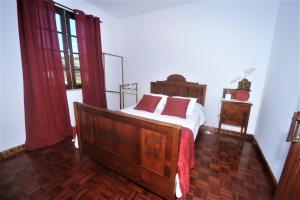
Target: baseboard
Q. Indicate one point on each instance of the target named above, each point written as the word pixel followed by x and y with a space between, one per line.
pixel 274 181
pixel 12 151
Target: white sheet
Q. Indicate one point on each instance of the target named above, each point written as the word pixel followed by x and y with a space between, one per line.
pixel 193 122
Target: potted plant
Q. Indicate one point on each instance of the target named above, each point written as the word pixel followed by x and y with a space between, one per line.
pixel 243 85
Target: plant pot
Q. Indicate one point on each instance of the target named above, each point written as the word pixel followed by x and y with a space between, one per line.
pixel 244 84
pixel 242 95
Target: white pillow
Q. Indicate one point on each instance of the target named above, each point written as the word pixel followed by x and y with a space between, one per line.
pixel 191 106
pixel 160 106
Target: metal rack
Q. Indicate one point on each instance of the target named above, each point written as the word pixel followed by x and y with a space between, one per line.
pixel 104 55
pixel 129 88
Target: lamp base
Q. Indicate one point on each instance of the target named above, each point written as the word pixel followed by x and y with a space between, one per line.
pixel 244 84
pixel 242 95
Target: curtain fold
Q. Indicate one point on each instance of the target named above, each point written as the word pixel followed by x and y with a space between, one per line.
pixel 90 58
pixel 47 118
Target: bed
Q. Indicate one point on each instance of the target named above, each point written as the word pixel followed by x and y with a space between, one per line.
pixel 144 150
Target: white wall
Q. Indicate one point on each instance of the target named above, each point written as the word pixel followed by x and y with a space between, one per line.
pixel 12 124
pixel 282 88
pixel 12 107
pixel 208 42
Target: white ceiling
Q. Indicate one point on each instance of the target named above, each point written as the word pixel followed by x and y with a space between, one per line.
pixel 129 8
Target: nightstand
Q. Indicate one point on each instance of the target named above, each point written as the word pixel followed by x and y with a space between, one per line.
pixel 235 113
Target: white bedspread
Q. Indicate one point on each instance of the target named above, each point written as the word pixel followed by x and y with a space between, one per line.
pixel 193 122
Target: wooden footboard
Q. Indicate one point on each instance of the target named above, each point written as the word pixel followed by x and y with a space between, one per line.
pixel 142 150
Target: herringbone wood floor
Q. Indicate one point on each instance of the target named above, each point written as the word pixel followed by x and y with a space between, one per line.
pixel 226 168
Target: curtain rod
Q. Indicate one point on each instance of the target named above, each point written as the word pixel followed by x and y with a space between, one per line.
pixel 67 8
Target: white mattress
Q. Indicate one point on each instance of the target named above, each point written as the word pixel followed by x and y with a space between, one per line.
pixel 193 122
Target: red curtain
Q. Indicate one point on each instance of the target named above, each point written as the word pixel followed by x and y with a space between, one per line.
pixel 47 116
pixel 90 58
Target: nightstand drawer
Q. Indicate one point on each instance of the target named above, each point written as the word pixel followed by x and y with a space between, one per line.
pixel 235 113
pixel 236 107
pixel 236 118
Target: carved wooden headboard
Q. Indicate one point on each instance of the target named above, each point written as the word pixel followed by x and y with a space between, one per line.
pixel 176 85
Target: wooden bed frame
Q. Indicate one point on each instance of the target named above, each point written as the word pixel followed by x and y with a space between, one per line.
pixel 142 150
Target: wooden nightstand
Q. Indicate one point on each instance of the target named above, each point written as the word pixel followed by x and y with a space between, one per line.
pixel 235 113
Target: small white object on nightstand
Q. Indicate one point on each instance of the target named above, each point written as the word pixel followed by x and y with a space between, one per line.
pixel 228 96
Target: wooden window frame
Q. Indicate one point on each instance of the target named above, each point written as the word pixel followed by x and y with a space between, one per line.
pixel 67 47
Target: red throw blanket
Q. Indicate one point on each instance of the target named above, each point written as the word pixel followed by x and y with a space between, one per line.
pixel 186 160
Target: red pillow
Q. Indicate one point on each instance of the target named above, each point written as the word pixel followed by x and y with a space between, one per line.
pixel 148 103
pixel 176 107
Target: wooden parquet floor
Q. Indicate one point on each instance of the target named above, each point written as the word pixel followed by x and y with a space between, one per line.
pixel 225 169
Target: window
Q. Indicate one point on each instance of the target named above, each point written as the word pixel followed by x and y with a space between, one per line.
pixel 67 38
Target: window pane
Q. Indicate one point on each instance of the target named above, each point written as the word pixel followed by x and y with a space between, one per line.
pixel 65 76
pixel 73 27
pixel 58 22
pixel 76 61
pixel 62 55
pixel 74 44
pixel 60 40
pixel 77 77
